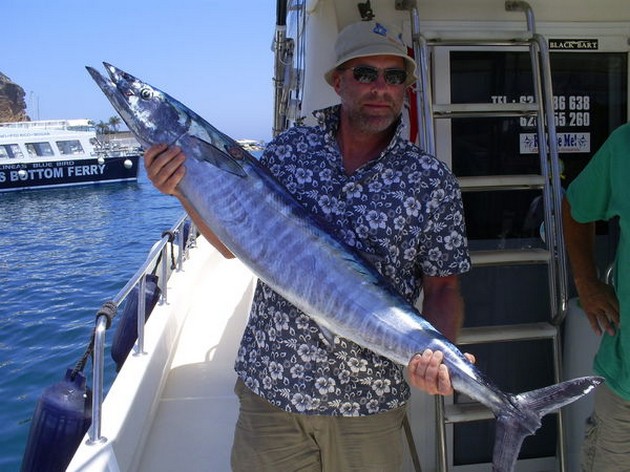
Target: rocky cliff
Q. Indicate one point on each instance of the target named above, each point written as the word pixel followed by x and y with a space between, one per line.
pixel 12 104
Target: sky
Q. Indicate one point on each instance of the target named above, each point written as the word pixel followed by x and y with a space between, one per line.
pixel 213 55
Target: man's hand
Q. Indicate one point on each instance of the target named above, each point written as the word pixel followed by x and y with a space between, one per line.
pixel 599 302
pixel 429 374
pixel 164 167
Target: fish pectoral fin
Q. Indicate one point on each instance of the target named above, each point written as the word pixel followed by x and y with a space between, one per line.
pixel 227 160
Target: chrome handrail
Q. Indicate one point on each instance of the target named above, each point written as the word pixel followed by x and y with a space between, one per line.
pixel 161 247
pixel 610 274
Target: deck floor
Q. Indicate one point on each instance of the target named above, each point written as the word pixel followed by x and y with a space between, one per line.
pixel 198 394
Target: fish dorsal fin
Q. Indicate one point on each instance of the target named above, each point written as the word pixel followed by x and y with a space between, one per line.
pixel 327 336
pixel 228 160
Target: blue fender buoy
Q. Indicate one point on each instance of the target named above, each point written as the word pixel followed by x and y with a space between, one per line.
pixel 127 330
pixel 62 417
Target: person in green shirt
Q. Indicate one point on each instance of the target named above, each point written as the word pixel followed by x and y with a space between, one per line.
pixel 599 193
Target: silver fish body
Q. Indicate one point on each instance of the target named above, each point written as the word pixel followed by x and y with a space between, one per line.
pixel 286 247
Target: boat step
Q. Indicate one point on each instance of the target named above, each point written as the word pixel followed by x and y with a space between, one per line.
pixel 501 182
pixel 486 110
pixel 463 412
pixel 466 412
pixel 506 333
pixel 497 257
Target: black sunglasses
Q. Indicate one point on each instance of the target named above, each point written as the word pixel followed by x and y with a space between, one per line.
pixel 369 74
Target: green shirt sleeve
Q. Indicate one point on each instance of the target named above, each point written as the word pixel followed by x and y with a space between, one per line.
pixel 597 191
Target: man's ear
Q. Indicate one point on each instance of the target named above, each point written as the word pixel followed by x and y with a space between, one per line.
pixel 336 81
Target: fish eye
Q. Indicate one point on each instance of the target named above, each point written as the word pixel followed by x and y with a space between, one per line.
pixel 146 93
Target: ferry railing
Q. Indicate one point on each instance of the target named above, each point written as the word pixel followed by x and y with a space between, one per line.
pixel 161 250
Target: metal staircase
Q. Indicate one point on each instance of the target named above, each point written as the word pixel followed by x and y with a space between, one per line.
pixel 547 181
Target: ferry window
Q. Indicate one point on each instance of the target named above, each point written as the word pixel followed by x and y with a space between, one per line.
pixel 70 147
pixel 10 151
pixel 39 149
pixel 590 100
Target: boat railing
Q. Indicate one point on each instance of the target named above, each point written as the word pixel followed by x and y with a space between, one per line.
pixel 78 124
pixel 172 247
pixel 116 148
pixel 119 151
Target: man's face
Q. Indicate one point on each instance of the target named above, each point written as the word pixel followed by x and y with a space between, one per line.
pixel 374 106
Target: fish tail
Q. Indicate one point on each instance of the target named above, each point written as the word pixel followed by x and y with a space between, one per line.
pixel 522 416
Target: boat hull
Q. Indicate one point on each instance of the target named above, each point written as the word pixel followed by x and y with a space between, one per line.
pixel 67 172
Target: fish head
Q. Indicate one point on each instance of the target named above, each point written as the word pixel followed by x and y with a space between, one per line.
pixel 151 115
pixel 155 117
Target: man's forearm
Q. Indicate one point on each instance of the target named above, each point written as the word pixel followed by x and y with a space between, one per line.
pixel 580 242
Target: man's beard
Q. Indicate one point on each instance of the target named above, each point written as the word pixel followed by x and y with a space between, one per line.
pixel 367 123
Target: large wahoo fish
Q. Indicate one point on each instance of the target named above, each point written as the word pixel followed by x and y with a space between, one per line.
pixel 286 247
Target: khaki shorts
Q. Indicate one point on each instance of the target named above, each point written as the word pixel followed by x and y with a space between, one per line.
pixel 270 439
pixel 606 445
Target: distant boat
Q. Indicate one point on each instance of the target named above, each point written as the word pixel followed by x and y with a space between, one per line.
pixel 251 145
pixel 58 153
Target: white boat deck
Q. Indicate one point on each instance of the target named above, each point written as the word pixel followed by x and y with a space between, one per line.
pixel 174 407
pixel 201 377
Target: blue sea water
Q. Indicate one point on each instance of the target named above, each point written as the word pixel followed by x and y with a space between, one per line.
pixel 63 252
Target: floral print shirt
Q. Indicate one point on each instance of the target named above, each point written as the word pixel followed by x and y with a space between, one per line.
pixel 403 211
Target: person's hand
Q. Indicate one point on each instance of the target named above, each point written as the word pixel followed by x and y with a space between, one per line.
pixel 599 302
pixel 164 165
pixel 428 373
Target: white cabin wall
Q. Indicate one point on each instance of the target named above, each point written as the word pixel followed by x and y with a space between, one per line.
pixel 327 17
pixel 544 10
pixel 321 31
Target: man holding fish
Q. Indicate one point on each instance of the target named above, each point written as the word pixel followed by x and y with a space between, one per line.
pixel 310 400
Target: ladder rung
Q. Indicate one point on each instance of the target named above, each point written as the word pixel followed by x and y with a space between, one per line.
pixel 501 182
pixel 506 333
pixel 488 110
pixel 472 38
pixel 462 412
pixel 509 256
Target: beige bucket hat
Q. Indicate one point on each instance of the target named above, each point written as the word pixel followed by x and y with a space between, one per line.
pixel 371 38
